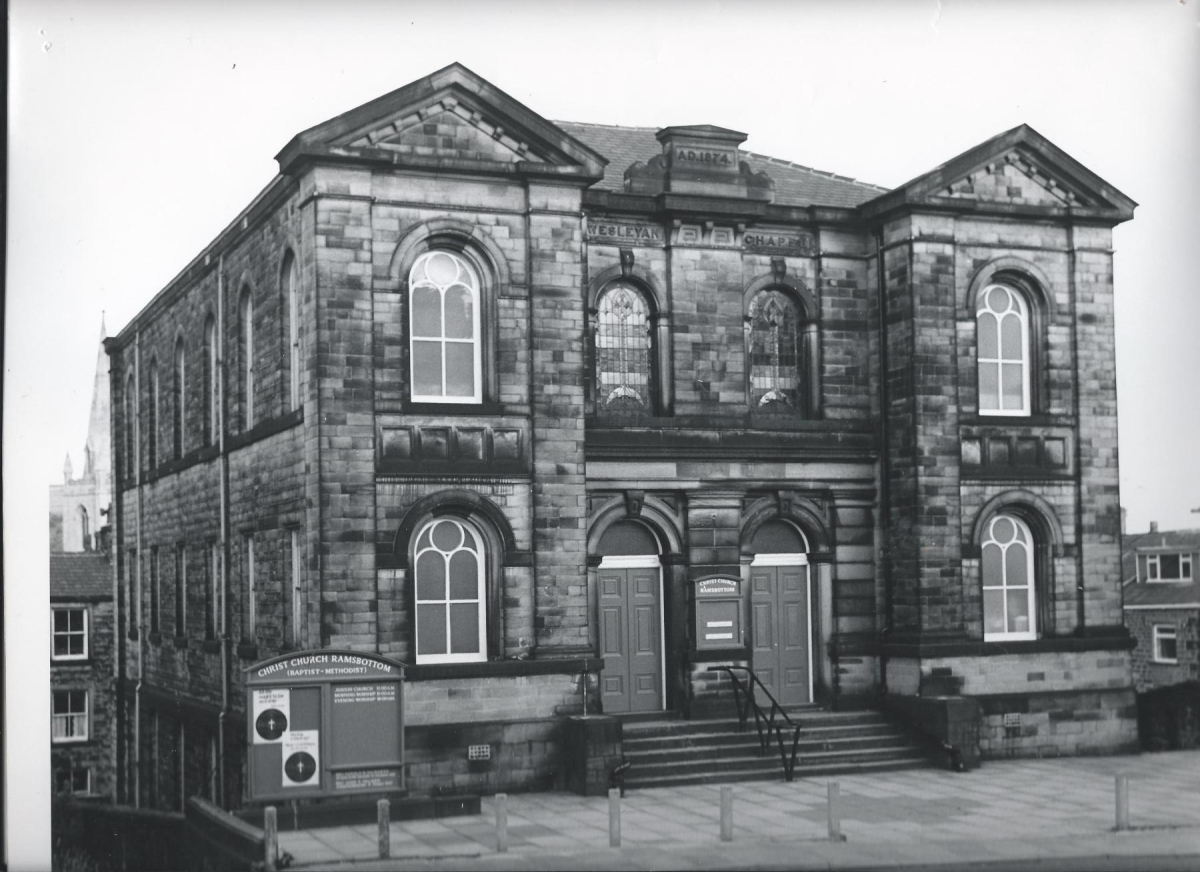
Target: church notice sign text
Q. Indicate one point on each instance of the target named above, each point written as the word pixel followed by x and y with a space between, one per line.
pixel 613 231
pixel 796 242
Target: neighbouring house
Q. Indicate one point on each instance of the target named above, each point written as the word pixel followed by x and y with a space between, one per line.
pixel 1162 605
pixel 561 415
pixel 82 738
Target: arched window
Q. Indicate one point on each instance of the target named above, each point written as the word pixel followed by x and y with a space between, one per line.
pixel 83 529
pixel 780 345
pixel 291 286
pixel 130 429
pixel 210 380
pixel 624 350
pixel 1009 590
pixel 152 423
pixel 178 396
pixel 444 341
pixel 451 605
pixel 246 356
pixel 1002 326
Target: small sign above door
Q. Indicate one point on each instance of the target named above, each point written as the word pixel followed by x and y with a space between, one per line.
pixel 718 587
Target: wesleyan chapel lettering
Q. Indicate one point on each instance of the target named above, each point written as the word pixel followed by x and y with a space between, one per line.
pixel 609 230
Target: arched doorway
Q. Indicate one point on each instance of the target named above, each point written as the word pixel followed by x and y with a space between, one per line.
pixel 630 599
pixel 781 622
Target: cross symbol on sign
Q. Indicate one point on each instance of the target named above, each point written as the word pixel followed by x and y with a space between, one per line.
pixel 271 723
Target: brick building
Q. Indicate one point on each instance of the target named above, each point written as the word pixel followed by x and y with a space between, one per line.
pixel 82 739
pixel 1162 605
pixel 492 395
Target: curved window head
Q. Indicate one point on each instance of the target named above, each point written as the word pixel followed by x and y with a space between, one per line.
pixel 776 353
pixel 1002 326
pixel 444 339
pixel 84 532
pixel 624 354
pixel 451 608
pixel 1007 569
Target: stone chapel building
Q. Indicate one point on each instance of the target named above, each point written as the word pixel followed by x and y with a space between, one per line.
pixel 493 395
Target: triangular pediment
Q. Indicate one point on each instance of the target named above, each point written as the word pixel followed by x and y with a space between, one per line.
pixel 452 119
pixel 1017 171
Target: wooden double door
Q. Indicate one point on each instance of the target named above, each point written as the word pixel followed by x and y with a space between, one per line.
pixel 781 631
pixel 631 621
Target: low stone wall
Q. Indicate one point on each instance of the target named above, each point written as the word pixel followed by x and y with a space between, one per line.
pixel 524 755
pixel 215 839
pixel 1059 723
pixel 592 749
pixel 949 724
pixel 494 698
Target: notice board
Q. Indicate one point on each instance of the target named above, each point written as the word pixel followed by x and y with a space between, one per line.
pixel 324 723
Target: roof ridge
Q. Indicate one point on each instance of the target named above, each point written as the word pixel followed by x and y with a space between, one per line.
pixel 608 126
pixel 825 173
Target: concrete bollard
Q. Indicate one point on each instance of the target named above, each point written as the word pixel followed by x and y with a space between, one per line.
pixel 614 817
pixel 502 823
pixel 383 817
pixel 726 814
pixel 270 839
pixel 1122 802
pixel 833 796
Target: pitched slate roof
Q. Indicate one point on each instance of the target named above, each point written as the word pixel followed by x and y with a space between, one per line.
pixel 83 576
pixel 1148 543
pixel 1162 593
pixel 795 185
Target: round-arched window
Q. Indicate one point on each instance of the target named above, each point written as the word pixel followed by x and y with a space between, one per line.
pixel 444 338
pixel 623 349
pixel 1006 554
pixel 451 617
pixel 1002 326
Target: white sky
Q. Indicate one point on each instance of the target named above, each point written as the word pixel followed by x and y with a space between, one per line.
pixel 138 130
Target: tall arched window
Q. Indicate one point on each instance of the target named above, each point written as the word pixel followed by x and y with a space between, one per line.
pixel 624 349
pixel 291 286
pixel 178 397
pixel 779 348
pixel 130 428
pixel 1009 590
pixel 451 606
pixel 246 357
pixel 210 380
pixel 1002 326
pixel 444 342
pixel 152 423
pixel 83 529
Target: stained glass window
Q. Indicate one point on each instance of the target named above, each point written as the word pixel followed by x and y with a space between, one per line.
pixel 445 339
pixel 623 349
pixel 1008 583
pixel 1003 338
pixel 451 609
pixel 776 352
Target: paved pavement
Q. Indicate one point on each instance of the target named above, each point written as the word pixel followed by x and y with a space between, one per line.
pixel 1002 815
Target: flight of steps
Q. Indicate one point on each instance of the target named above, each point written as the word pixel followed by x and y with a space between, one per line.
pixel 666 752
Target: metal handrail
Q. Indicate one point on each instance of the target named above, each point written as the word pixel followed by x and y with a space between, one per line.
pixel 744 708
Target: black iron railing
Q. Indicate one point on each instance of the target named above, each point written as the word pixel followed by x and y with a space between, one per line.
pixel 762 720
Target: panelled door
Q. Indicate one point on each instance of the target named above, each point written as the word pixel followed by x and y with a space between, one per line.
pixel 631 638
pixel 781 631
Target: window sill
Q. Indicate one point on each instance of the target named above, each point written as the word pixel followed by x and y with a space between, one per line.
pixel 133 634
pixel 427 407
pixel 181 641
pixel 155 637
pixel 70 661
pixel 502 668
pixel 247 650
pixel 80 741
pixel 211 646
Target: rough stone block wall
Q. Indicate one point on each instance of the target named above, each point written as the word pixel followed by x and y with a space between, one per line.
pixel 559 499
pixel 1038 673
pixel 470 700
pixel 1067 723
pixel 1146 673
pixel 525 756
